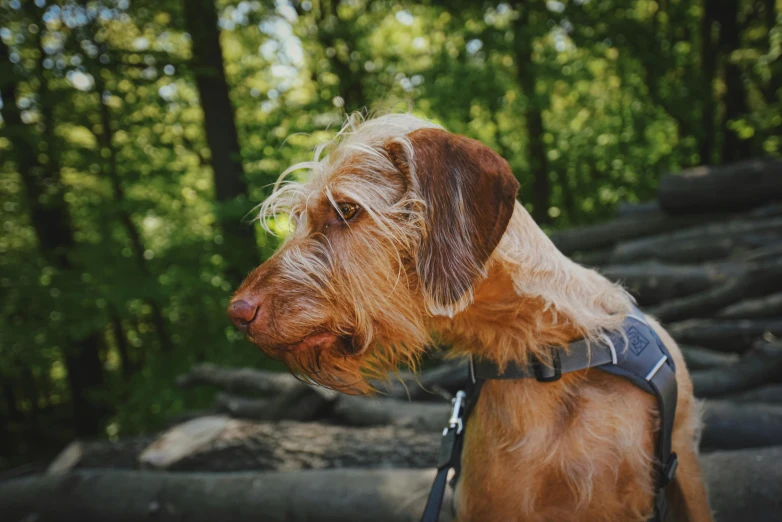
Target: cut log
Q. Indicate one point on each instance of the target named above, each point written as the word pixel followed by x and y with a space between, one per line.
pixel 608 234
pixel 735 336
pixel 758 367
pixel 743 485
pixel 728 425
pixel 291 446
pixel 291 398
pixel 646 208
pixel 239 382
pixel 653 282
pixel 768 394
pixel 593 258
pixel 184 440
pixel 67 459
pixel 767 210
pixel 450 376
pixel 263 446
pixel 766 306
pixel 133 496
pixel 702 243
pixel 240 407
pixel 760 279
pixel 737 186
pixel 432 385
pixel 698 358
pixel 244 381
pixel 347 410
pixel 366 411
pixel 768 252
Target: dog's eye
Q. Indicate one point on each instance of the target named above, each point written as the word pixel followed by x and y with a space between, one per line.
pixel 347 210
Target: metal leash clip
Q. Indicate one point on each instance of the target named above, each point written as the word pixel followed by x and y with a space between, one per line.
pixel 456 413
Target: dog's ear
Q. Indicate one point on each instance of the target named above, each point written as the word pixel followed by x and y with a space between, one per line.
pixel 469 192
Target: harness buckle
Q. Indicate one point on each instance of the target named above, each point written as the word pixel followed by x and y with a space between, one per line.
pixel 544 373
pixel 455 422
pixel 668 470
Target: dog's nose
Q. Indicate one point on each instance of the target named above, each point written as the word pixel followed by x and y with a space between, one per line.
pixel 242 313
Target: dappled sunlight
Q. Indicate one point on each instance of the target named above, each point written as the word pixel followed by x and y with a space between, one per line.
pixel 134 156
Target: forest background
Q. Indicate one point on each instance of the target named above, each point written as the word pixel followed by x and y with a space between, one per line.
pixel 136 137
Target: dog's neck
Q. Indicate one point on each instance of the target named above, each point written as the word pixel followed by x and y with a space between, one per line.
pixel 532 298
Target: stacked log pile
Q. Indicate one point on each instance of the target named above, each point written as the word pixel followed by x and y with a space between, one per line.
pixel 706 259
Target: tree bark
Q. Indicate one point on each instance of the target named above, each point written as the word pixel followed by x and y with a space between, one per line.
pixel 200 18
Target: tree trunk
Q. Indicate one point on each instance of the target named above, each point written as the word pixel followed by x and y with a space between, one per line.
pixel 12 408
pixel 540 193
pixel 708 72
pixel 775 82
pixel 222 136
pixel 52 224
pixel 734 148
pixel 136 243
pixel 128 368
pixel 332 34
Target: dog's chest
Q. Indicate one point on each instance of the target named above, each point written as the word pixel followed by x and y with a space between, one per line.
pixel 578 450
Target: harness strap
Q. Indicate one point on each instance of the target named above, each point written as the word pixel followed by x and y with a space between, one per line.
pixel 641 358
pixel 450 457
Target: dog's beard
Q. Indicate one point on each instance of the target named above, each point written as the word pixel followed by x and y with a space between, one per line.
pixel 333 368
pixel 350 370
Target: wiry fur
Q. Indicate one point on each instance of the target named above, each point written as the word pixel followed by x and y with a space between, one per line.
pixel 343 302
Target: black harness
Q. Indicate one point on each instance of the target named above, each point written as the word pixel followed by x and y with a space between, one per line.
pixel 635 353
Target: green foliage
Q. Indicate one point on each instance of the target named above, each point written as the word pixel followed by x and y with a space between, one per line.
pixel 623 89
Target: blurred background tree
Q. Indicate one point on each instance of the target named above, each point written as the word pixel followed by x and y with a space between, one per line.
pixel 137 136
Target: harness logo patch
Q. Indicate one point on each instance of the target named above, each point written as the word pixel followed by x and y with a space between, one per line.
pixel 637 340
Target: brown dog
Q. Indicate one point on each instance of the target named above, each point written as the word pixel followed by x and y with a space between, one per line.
pixel 405 229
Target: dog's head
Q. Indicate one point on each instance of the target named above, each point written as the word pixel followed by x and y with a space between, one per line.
pixel 395 225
